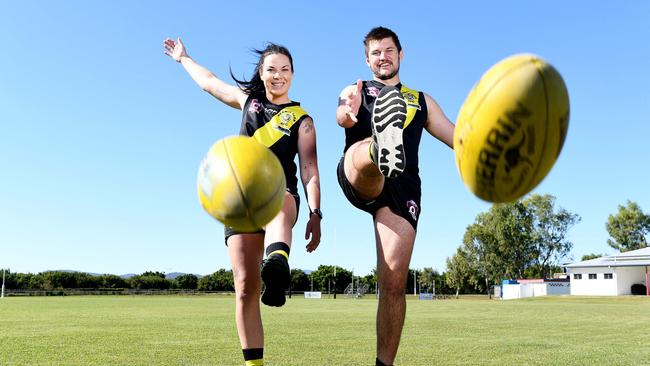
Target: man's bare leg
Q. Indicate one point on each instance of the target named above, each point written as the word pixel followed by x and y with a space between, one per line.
pixel 361 172
pixel 395 238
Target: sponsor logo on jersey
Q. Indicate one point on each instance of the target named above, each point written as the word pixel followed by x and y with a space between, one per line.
pixel 255 106
pixel 372 91
pixel 270 111
pixel 413 209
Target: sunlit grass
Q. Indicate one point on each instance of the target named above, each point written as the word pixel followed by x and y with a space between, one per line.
pixel 200 330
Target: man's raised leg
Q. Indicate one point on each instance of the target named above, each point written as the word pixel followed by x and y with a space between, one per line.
pixel 361 172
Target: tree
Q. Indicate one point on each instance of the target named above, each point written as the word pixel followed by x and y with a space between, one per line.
pixel 149 281
pixel 516 240
pixel 23 281
pixel 535 271
pixel 112 281
pixel 587 257
pixel 224 280
pixel 86 280
pixel 426 278
pixel 324 274
pixel 498 244
pixel 370 280
pixel 458 271
pixel 36 282
pixel 549 229
pixel 186 282
pixel 56 280
pixel 220 280
pixel 299 280
pixel 442 287
pixel 152 273
pixel 412 276
pixel 628 228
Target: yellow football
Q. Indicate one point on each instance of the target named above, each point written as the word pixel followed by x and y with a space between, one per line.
pixel 511 128
pixel 241 183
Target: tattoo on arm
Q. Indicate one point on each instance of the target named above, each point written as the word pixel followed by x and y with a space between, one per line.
pixel 305 173
pixel 307 126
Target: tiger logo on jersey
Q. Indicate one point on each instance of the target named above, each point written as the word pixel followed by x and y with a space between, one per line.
pixel 284 122
pixel 279 125
pixel 411 99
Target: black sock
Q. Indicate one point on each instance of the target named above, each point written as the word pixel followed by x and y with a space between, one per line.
pixel 379 363
pixel 278 248
pixel 254 356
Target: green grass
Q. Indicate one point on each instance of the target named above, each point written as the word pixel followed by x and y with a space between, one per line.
pixel 200 330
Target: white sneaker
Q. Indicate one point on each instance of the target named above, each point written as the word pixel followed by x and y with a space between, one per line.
pixel 388 117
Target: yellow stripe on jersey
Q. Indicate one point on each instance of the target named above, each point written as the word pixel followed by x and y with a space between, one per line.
pixel 258 362
pixel 279 126
pixel 412 98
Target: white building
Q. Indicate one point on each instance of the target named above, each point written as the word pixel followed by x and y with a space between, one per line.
pixel 534 287
pixel 612 275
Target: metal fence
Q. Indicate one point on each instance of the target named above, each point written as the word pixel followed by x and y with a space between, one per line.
pixel 81 292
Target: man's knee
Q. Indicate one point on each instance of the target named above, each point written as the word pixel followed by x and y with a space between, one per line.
pixel 358 165
pixel 393 285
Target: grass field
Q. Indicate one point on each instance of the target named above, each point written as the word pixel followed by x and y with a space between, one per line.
pixel 200 330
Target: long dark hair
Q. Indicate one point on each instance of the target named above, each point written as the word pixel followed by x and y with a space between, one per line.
pixel 255 85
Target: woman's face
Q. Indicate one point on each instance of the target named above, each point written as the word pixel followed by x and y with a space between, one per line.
pixel 276 73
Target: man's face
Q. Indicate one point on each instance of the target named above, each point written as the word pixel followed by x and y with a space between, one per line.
pixel 383 58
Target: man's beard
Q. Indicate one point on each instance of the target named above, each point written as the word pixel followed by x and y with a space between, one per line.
pixel 386 76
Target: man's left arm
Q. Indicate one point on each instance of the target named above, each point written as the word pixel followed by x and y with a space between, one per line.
pixel 438 125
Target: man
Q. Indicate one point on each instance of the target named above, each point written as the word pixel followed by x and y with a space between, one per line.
pixel 378 173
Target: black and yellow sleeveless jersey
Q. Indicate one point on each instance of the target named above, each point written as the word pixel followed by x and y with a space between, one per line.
pixel 416 117
pixel 276 127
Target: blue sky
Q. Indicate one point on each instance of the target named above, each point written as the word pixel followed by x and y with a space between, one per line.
pixel 101 134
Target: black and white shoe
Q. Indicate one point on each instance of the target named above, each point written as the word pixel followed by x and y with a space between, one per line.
pixel 388 118
pixel 277 277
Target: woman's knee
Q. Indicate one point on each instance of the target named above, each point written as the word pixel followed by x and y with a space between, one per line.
pixel 247 286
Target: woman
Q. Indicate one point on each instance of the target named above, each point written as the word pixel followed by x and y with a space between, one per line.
pixel 264 100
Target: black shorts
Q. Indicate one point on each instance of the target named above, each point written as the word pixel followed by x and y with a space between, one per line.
pixel 400 195
pixel 228 231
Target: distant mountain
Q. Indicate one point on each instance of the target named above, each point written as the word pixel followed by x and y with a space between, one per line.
pixel 173 275
pixel 169 276
pixel 73 271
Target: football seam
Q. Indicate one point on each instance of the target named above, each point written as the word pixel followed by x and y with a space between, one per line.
pixel 237 180
pixel 271 197
pixel 546 125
